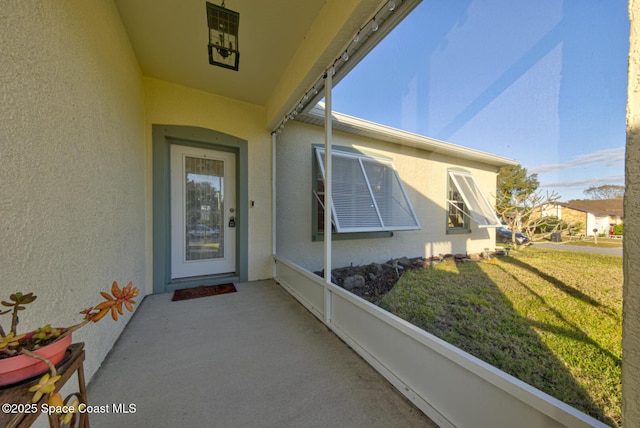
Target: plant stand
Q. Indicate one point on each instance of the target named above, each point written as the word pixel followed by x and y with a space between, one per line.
pixel 20 394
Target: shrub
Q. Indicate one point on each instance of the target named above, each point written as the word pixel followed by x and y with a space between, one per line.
pixel 618 229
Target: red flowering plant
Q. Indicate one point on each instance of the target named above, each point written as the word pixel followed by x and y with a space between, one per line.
pixel 13 344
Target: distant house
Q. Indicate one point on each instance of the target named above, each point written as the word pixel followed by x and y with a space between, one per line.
pixel 601 215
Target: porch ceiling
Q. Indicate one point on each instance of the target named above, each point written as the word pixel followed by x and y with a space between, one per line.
pixel 284 44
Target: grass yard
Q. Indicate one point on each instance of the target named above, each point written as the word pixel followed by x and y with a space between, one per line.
pixel 550 318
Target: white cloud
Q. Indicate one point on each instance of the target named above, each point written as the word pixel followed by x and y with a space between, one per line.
pixel 587 182
pixel 607 157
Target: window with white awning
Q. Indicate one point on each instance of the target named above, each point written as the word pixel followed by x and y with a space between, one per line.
pixel 467 199
pixel 367 194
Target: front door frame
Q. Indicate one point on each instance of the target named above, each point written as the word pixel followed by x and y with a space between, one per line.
pixel 162 138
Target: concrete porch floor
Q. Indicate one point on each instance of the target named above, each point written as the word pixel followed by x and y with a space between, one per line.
pixel 255 358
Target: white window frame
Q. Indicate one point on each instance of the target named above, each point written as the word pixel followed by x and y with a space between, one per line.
pixel 475 201
pixel 338 208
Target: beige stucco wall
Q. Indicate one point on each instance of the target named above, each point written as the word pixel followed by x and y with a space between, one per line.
pixel 631 295
pixel 72 160
pixel 170 104
pixel 424 175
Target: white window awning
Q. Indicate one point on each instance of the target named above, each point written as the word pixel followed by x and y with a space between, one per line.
pixel 367 194
pixel 475 201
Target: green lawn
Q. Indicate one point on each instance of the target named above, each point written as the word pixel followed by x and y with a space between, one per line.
pixel 550 318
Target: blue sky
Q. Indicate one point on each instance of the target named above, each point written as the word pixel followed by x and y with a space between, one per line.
pixel 543 82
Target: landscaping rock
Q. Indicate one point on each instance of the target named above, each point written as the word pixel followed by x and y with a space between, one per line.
pixel 352 282
pixel 375 269
pixel 405 262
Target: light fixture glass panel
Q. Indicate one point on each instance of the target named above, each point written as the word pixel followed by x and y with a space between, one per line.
pixel 223 36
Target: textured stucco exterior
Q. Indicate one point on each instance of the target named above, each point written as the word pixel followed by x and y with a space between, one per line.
pixel 424 175
pixel 72 160
pixel 631 295
pixel 170 104
pixel 76 167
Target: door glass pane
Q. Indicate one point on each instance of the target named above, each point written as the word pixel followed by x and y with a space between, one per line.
pixel 204 208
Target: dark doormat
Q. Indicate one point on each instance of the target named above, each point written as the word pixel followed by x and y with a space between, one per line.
pixel 203 291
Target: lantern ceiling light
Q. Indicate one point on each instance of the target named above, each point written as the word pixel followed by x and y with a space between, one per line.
pixel 223 36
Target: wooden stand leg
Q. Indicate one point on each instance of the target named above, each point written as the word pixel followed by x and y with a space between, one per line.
pixel 84 417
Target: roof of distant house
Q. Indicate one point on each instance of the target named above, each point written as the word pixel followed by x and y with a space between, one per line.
pixel 599 207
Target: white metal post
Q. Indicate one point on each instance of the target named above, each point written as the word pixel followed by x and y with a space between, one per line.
pixel 273 204
pixel 327 195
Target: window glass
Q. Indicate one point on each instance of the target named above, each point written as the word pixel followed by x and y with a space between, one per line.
pixel 458 215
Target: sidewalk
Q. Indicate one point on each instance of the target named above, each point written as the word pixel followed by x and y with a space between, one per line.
pixel 584 249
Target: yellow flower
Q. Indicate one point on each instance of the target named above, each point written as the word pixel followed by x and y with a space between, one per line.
pixel 45 385
pixel 55 401
pixel 46 332
pixel 10 340
pixel 65 418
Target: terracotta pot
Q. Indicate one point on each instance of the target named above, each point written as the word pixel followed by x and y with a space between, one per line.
pixel 21 367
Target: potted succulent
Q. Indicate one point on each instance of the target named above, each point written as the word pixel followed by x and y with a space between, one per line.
pixel 23 356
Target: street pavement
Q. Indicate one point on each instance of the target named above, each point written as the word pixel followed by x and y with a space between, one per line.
pixel 569 247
